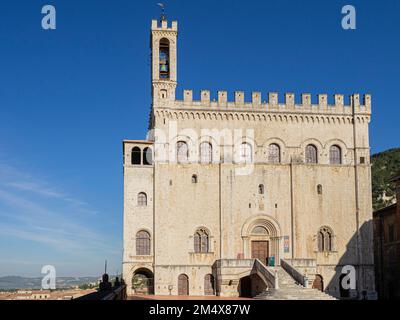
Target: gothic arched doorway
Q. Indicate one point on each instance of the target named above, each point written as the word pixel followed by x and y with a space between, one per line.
pixel 183 285
pixel 318 283
pixel 143 281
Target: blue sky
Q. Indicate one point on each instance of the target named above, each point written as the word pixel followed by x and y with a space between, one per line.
pixel 69 97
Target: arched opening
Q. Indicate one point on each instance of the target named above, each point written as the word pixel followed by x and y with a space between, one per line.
pixel 209 285
pixel 261 189
pixel 164 59
pixel 143 282
pixel 142 200
pixel 206 153
pixel 246 153
pixel 318 283
pixel 143 243
pixel 274 153
pixel 183 285
pixel 251 286
pixel 335 155
pixel 182 152
pixel 148 156
pixel 201 241
pixel 262 240
pixel 311 154
pixel 325 240
pixel 136 156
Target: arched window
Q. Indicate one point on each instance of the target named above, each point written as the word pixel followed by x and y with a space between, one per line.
pixel 335 155
pixel 201 241
pixel 319 189
pixel 142 199
pixel 206 152
pixel 164 59
pixel 143 241
pixel 147 156
pixel 261 189
pixel 194 179
pixel 325 240
pixel 274 153
pixel 182 152
pixel 136 156
pixel 311 154
pixel 246 153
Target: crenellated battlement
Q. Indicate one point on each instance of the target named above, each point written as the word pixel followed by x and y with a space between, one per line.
pixel 164 25
pixel 273 104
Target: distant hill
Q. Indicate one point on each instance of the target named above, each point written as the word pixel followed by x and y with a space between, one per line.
pixel 14 282
pixel 384 166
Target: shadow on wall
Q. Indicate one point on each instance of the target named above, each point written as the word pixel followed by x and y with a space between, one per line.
pixel 361 257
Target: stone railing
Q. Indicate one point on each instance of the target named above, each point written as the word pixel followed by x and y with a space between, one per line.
pixel 254 265
pixel 296 275
pixel 272 278
pixel 234 263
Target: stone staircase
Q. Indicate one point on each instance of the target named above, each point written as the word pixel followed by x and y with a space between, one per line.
pixel 289 289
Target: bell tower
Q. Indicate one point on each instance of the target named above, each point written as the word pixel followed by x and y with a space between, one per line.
pixel 164 61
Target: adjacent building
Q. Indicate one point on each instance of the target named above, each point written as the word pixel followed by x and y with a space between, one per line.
pixel 387 248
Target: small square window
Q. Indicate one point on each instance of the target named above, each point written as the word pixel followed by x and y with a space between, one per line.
pixel 362 160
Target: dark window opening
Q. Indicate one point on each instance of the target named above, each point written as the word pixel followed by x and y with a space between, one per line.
pixel 148 157
pixel 136 156
pixel 164 59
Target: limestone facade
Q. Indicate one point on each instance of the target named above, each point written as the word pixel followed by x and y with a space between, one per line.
pixel 226 175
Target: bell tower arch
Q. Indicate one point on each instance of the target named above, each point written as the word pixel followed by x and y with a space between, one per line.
pixel 164 60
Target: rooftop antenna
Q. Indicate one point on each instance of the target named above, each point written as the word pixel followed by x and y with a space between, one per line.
pixel 163 17
pixel 105 267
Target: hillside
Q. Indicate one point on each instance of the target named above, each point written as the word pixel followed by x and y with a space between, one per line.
pixel 384 166
pixel 14 282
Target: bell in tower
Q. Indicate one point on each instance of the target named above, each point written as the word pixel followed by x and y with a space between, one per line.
pixel 164 58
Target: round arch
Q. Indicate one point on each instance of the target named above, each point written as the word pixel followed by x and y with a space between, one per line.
pixel 271 239
pixel 143 281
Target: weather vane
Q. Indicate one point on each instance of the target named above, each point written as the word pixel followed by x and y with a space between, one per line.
pixel 162 6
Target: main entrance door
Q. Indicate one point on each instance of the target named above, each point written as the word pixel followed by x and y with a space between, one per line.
pixel 260 251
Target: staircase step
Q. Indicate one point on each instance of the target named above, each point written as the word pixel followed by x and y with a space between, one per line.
pixel 289 289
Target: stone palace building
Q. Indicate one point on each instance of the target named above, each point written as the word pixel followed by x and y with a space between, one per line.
pixel 247 198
